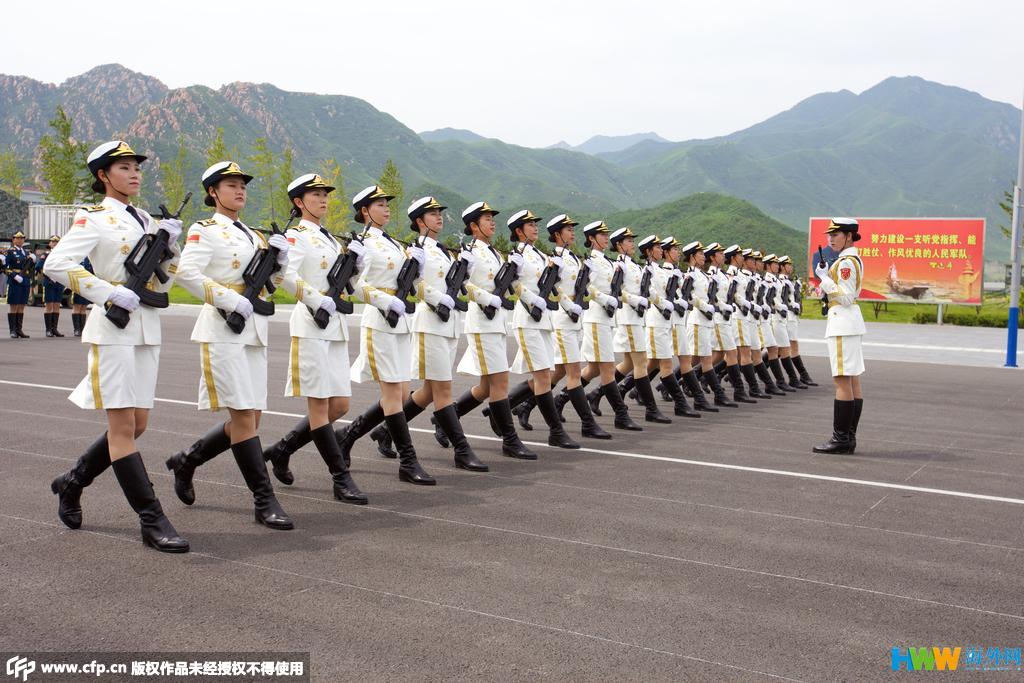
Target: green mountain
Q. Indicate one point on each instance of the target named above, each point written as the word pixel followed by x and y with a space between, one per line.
pixel 906 147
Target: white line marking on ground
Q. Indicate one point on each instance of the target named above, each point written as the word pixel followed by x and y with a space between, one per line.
pixel 433 603
pixel 918 347
pixel 661 458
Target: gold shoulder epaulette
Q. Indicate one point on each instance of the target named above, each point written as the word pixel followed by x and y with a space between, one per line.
pixel 94 208
pixel 207 223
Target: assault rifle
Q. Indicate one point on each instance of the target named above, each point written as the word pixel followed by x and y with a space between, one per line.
pixel 579 290
pixel 506 275
pixel 455 282
pixel 142 264
pixel 730 297
pixel 616 291
pixel 712 296
pixel 339 279
pixel 406 283
pixel 645 291
pixel 257 278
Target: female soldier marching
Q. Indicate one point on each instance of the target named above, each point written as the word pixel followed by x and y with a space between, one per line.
pixel 318 367
pixel 122 362
pixel 234 365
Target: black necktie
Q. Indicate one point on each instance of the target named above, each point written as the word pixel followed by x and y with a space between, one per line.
pixel 135 214
pixel 238 224
pixel 495 252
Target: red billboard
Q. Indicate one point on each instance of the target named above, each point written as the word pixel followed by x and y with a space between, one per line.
pixel 914 260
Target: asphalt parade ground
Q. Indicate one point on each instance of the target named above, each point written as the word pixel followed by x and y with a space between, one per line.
pixel 710 549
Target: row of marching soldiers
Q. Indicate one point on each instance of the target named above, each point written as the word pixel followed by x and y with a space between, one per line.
pixel 569 315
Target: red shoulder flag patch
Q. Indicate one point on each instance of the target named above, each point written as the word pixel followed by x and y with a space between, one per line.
pixel 193 237
pixel 845 273
pixel 80 221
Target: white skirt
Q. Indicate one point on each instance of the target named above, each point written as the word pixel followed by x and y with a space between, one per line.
pixel 119 376
pixel 679 341
pixel 598 343
pixel 485 354
pixel 433 356
pixel 781 333
pixel 846 356
pixel 747 334
pixel 764 328
pixel 630 339
pixel 535 352
pixel 383 357
pixel 793 327
pixel 568 345
pixel 723 339
pixel 698 340
pixel 318 368
pixel 659 343
pixel 233 376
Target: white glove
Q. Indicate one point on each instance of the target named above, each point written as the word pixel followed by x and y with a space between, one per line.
pixel 666 307
pixel 357 248
pixel 397 305
pixel 558 261
pixel 244 308
pixel 171 225
pixel 529 298
pixel 327 304
pixel 470 259
pixel 447 302
pixel 644 302
pixel 726 308
pixel 684 304
pixel 19 279
pixel 606 299
pixel 575 309
pixel 124 298
pixel 32 255
pixel 495 301
pixel 589 262
pixel 280 242
pixel 821 270
pixel 517 259
pixel 417 254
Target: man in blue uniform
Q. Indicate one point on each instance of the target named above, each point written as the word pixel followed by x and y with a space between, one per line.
pixel 18 265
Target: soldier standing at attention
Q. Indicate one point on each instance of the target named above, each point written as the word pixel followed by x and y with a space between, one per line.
pixel 53 295
pixel 18 265
pixel 844 331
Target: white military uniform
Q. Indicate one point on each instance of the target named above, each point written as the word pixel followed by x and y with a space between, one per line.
pixel 234 366
pixel 679 347
pixel 793 317
pixel 764 325
pixel 629 325
pixel 122 363
pixel 383 350
pixel 744 324
pixel 568 335
pixel 318 365
pixel 485 338
pixel 598 326
pixel 699 327
pixel 778 322
pixel 533 336
pixel 845 326
pixel 434 341
pixel 724 339
pixel 659 328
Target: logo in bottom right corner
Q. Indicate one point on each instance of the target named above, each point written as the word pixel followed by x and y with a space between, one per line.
pixel 972 658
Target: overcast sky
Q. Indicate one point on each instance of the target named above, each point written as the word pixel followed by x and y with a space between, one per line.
pixel 531 72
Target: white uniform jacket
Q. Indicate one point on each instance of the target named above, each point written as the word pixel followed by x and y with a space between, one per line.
pixel 313 252
pixel 378 280
pixel 107 233
pixel 565 290
pixel 212 264
pixel 699 299
pixel 430 288
pixel 844 316
pixel 659 282
pixel 634 274
pixel 602 270
pixel 535 262
pixel 480 288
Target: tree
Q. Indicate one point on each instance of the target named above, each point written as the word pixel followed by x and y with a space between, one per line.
pixel 11 179
pixel 391 182
pixel 173 182
pixel 261 191
pixel 285 174
pixel 217 151
pixel 338 218
pixel 62 160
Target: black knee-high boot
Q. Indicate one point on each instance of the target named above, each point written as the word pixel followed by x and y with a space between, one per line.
pixel 720 368
pixel 517 395
pixel 184 463
pixel 682 408
pixel 345 488
pixel 805 376
pixel 48 323
pixel 360 427
pixel 281 452
pixel 780 378
pixel 511 445
pixel 765 376
pixel 77 323
pixel 20 321
pixel 748 374
pixel 249 457
pixel 157 530
pixel 622 418
pixel 594 397
pixel 589 428
pixel 794 379
pixel 564 399
pixel 556 432
pixel 13 324
pixel 381 435
pixel 54 319
pixel 466 404
pixel 858 406
pixel 646 395
pixel 700 402
pixel 523 410
pixel 409 469
pixel 721 399
pixel 447 420
pixel 841 442
pixel 739 394
pixel 69 485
